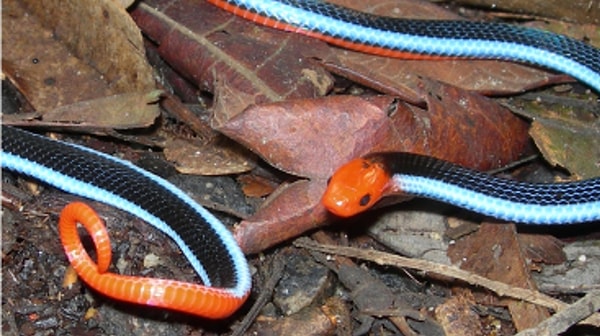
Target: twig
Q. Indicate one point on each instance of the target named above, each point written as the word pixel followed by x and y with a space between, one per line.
pixel 567 317
pixel 267 290
pixel 499 288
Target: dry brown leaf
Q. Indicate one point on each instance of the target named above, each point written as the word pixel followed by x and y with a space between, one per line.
pixel 256 186
pixel 499 259
pixel 207 159
pixel 457 316
pixel 128 110
pixel 312 137
pixel 102 34
pixel 56 59
pixel 240 62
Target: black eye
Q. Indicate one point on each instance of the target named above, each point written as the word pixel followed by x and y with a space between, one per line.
pixel 365 200
pixel 328 181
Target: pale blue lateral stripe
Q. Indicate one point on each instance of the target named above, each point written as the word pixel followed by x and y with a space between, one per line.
pixel 74 186
pixel 474 48
pixel 494 206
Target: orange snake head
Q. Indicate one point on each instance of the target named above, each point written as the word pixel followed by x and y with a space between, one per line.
pixel 355 187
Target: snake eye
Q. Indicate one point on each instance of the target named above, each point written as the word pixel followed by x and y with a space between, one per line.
pixel 364 201
pixel 328 181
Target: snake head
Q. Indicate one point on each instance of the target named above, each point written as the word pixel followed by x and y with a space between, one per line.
pixel 355 187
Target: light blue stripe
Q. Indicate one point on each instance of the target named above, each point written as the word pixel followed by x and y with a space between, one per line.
pixel 74 186
pixel 497 207
pixel 425 45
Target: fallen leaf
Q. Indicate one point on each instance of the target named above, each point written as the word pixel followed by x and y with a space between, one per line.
pixel 290 211
pixel 57 59
pixel 499 259
pixel 570 144
pixel 256 186
pixel 457 317
pixel 311 138
pixel 208 159
pixel 240 62
pixel 542 248
pixel 290 135
pixel 128 110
